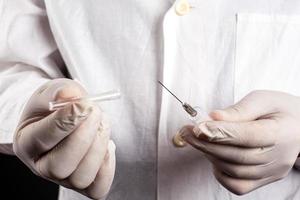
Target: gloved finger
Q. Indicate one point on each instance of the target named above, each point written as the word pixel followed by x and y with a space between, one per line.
pixel 41 136
pixel 240 186
pixel 100 187
pixel 88 167
pixel 250 172
pixel 63 159
pixel 233 154
pixel 258 133
pixel 253 106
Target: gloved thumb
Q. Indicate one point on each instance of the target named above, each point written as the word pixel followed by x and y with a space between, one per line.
pixel 251 107
pixel 54 90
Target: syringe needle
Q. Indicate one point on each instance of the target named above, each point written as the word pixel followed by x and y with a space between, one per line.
pixel 187 107
pixel 170 92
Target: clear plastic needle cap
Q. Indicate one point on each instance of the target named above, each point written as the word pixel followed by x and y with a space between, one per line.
pixel 105 96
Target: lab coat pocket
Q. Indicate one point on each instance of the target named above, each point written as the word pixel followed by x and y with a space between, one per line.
pixel 267 54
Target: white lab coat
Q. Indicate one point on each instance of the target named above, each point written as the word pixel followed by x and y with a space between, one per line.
pixel 211 57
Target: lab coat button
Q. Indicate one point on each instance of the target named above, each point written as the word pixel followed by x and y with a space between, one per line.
pixel 182 7
pixel 178 141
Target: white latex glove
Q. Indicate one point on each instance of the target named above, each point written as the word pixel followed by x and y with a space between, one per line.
pixel 252 143
pixel 70 146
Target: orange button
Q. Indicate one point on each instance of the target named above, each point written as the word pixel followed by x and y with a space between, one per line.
pixel 178 141
pixel 182 8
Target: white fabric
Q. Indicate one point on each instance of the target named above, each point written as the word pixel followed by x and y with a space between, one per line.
pixel 28 57
pixel 211 58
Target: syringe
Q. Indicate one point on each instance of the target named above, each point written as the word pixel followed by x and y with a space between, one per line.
pixel 196 115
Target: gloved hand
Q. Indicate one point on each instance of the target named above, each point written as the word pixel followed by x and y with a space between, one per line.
pixel 252 143
pixel 70 146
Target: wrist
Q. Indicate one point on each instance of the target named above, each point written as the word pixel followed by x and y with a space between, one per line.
pixel 6 149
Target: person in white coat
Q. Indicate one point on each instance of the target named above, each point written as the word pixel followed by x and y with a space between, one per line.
pixel 236 60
